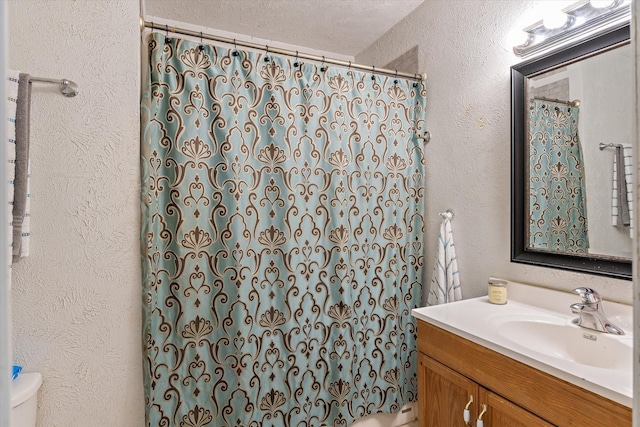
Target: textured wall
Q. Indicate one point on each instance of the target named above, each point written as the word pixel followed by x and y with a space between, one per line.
pixel 465 48
pixel 76 299
pixel 408 62
pixel 317 24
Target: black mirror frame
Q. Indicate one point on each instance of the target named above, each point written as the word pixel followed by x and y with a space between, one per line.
pixel 605 266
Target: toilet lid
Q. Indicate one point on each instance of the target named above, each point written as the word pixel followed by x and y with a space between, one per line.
pixel 25 386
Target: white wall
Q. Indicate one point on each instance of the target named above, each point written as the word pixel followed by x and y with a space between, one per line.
pixel 76 299
pixel 465 48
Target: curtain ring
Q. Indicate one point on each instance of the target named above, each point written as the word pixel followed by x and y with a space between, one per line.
pixel 166 36
pixel 201 47
pixel 296 63
pixel 235 48
pixel 266 56
pixel 395 82
pixel 323 68
pixel 373 75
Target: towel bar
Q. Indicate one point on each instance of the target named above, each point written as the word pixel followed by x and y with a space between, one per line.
pixel 602 145
pixel 67 87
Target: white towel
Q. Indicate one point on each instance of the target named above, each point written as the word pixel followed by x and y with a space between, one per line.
pixel 628 175
pixel 11 86
pixel 21 196
pixel 445 283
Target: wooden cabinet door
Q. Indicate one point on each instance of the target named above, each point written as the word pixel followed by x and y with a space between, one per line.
pixel 503 413
pixel 443 395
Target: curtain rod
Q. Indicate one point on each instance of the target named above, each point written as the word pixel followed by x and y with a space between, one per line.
pixel 574 103
pixel 292 53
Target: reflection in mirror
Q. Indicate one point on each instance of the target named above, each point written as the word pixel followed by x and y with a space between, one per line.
pixel 579 199
pixel 572 161
pixel 557 199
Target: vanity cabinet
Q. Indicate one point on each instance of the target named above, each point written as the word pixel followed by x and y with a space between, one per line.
pixel 454 372
pixel 450 393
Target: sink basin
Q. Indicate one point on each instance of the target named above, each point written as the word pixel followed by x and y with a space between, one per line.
pixel 559 338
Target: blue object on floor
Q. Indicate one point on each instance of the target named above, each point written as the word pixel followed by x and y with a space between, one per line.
pixel 16 371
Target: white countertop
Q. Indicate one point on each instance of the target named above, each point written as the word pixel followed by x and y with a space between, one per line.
pixel 481 322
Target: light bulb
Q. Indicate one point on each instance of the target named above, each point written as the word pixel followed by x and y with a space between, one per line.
pixel 600 4
pixel 555 20
pixel 518 38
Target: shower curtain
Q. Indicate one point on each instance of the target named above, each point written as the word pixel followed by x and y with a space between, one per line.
pixel 282 234
pixel 557 196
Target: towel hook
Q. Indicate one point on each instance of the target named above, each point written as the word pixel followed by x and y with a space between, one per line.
pixel 426 136
pixel 448 214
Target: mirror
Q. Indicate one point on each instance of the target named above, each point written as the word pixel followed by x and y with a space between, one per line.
pixel 571 116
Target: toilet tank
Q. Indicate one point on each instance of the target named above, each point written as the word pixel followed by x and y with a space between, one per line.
pixel 24 399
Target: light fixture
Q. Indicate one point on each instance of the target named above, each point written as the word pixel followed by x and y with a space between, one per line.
pixel 579 21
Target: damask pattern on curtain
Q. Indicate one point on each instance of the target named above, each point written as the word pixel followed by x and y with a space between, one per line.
pixel 282 239
pixel 557 197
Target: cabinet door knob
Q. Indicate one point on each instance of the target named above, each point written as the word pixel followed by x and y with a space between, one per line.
pixel 479 422
pixel 467 414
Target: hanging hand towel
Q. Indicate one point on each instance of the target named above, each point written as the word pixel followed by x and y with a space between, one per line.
pixel 21 200
pixel 11 87
pixel 445 283
pixel 622 195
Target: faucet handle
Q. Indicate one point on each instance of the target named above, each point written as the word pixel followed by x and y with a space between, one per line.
pixel 588 295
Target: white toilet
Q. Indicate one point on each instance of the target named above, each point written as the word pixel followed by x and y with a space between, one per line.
pixel 24 399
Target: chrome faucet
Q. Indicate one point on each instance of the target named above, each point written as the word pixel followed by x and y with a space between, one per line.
pixel 590 312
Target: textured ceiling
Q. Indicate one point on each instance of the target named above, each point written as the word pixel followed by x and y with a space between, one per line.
pixel 339 26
